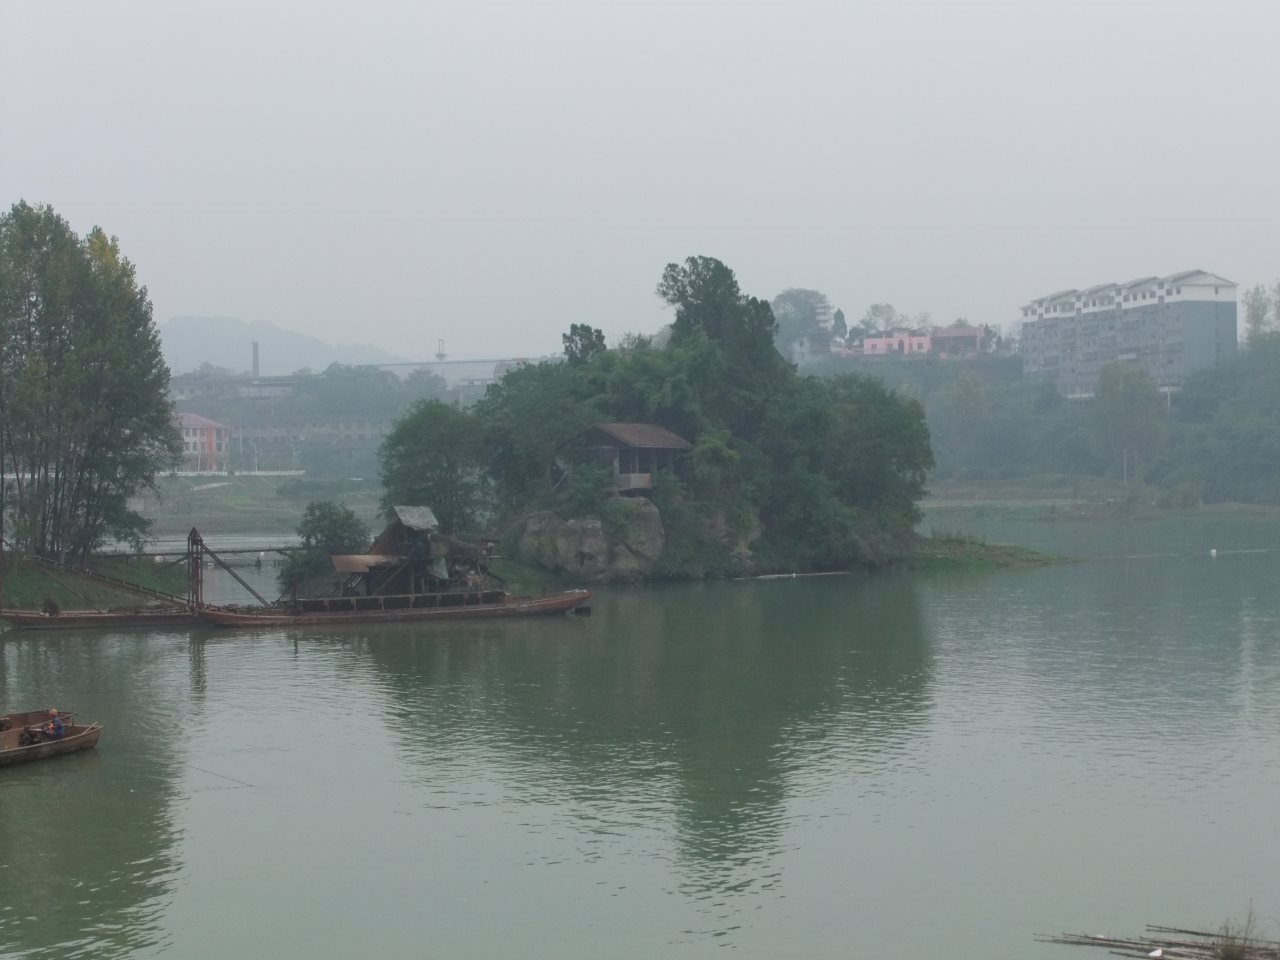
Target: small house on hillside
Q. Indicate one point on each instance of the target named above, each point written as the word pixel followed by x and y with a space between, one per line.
pixel 634 452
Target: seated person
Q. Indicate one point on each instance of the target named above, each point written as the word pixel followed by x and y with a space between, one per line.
pixel 54 729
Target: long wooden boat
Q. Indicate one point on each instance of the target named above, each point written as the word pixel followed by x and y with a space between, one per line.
pixel 88 619
pixel 400 608
pixel 77 736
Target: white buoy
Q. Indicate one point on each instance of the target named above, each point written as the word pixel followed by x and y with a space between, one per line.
pixel 1213 552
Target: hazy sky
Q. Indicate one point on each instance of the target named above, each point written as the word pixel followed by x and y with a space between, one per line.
pixel 487 173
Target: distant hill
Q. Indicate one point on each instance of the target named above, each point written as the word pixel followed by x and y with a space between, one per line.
pixel 227 342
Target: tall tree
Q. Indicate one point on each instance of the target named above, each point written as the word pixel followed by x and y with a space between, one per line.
pixel 85 419
pixel 839 326
pixel 582 342
pixel 435 457
pixel 326 528
pixel 1128 414
pixel 1257 306
pixel 742 368
pixel 799 312
pixel 525 417
pixel 879 318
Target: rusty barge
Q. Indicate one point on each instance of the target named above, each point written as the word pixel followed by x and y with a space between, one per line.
pixel 411 573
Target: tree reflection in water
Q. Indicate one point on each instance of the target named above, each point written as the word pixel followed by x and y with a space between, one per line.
pixel 698 707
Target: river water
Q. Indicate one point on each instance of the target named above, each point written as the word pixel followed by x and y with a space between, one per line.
pixel 820 767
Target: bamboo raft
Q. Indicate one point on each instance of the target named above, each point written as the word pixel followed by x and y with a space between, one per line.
pixel 1176 943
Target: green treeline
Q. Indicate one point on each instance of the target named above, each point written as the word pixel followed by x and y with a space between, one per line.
pixel 786 472
pixel 1215 440
pixel 85 420
pixel 1223 442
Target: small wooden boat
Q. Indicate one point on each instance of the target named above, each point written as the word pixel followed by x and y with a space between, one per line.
pixel 401 608
pixel 76 736
pixel 88 619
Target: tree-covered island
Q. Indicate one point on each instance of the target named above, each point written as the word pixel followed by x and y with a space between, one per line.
pixel 782 473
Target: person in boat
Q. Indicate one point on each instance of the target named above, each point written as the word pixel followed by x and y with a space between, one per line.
pixel 55 729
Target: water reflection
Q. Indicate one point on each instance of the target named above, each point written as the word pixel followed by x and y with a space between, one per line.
pixel 786 766
pixel 686 718
pixel 87 843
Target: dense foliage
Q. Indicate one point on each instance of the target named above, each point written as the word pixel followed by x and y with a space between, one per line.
pixel 434 456
pixel 1224 437
pixel 986 422
pixel 85 420
pixel 807 473
pixel 326 528
pixel 800 313
pixel 1217 439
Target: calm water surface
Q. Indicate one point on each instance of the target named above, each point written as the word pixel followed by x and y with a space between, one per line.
pixel 809 768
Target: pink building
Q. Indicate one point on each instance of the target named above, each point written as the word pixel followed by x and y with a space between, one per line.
pixel 205 443
pixel 901 342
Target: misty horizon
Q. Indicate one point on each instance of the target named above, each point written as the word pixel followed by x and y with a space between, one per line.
pixel 400 174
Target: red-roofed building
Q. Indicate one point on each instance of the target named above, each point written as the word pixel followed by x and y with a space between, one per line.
pixel 205 443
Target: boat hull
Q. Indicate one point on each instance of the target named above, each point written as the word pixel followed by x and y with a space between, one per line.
pixel 510 607
pixel 91 619
pixel 78 737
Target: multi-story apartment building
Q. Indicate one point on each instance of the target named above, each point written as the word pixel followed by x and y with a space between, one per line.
pixel 205 443
pixel 1169 326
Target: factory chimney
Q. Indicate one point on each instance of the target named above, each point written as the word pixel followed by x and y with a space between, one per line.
pixel 255 358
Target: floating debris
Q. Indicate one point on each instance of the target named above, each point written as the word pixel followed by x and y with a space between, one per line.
pixel 1176 943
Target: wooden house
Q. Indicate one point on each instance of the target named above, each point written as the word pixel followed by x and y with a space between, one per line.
pixel 633 452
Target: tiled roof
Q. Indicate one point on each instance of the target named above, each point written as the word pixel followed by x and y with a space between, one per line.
pixel 195 420
pixel 1170 280
pixel 644 435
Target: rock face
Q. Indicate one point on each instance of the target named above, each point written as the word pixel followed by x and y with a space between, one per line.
pixel 582 549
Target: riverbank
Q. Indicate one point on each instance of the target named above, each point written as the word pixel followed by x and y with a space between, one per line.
pixel 273 506
pixel 961 552
pixel 23 587
pixel 1055 498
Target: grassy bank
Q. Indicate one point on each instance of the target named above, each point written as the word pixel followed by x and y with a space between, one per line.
pixel 1055 498
pixel 23 587
pixel 958 552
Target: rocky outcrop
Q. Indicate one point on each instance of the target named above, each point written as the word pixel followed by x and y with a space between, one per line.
pixel 592 550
